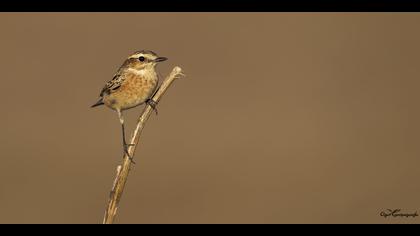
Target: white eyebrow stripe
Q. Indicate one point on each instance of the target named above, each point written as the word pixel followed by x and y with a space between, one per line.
pixel 136 55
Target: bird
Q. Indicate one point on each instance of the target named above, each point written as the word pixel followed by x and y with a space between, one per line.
pixel 134 84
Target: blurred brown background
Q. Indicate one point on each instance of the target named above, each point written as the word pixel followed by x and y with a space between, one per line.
pixel 283 118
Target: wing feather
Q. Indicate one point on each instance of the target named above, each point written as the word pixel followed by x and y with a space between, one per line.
pixel 112 85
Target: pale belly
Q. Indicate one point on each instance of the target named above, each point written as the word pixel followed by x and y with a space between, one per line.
pixel 131 94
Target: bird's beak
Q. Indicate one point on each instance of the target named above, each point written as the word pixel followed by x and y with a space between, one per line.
pixel 159 59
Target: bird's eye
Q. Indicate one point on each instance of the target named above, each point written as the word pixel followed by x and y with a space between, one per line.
pixel 141 58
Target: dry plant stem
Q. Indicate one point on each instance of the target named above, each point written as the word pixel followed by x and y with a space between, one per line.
pixel 123 170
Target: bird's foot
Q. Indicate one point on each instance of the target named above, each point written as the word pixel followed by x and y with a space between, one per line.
pixel 128 154
pixel 153 104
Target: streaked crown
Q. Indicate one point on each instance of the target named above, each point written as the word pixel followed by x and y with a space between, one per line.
pixel 146 56
pixel 142 59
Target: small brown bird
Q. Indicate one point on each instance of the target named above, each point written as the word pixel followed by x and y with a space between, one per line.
pixel 134 84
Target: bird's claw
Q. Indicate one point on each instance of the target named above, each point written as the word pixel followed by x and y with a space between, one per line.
pixel 128 154
pixel 152 104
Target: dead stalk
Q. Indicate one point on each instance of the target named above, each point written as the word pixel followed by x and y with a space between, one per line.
pixel 123 170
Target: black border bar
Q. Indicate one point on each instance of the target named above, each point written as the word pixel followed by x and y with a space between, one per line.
pixel 210 6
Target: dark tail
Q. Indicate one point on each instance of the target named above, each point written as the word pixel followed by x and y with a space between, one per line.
pixel 98 103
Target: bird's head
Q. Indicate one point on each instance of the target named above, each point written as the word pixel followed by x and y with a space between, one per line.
pixel 144 59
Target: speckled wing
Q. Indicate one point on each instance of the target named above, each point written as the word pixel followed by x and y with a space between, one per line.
pixel 112 85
